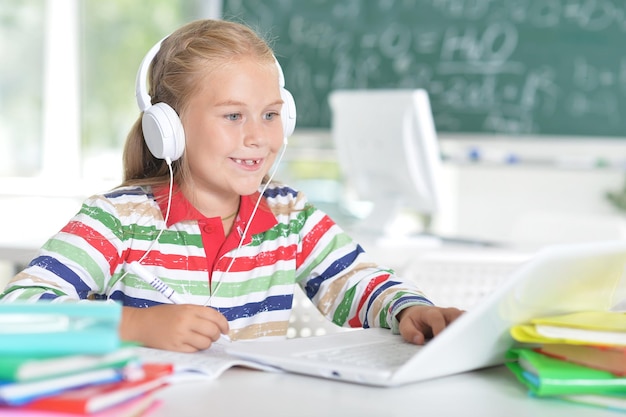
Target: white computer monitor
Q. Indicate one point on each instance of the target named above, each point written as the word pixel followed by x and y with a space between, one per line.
pixel 388 154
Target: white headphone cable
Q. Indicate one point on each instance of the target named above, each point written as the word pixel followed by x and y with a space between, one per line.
pixel 137 264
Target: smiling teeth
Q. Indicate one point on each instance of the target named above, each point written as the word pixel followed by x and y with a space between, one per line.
pixel 247 161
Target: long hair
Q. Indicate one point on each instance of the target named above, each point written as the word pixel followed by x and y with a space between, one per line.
pixel 185 57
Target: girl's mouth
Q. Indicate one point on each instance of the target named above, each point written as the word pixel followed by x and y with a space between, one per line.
pixel 247 162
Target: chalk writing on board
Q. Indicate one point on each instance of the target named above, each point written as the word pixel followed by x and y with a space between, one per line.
pixel 524 66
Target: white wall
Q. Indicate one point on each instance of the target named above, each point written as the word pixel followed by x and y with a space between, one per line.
pixel 558 195
pixel 554 193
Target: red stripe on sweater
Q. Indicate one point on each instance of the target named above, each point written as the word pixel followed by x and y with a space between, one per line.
pixel 166 260
pixel 248 263
pixel 371 286
pixel 95 240
pixel 311 239
pixel 199 263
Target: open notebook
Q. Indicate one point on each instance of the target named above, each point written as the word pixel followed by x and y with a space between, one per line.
pixel 556 280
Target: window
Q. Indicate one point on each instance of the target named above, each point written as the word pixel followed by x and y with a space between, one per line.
pixel 67 80
pixel 21 47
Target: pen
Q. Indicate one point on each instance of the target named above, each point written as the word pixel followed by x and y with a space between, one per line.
pixel 156 283
pixel 163 288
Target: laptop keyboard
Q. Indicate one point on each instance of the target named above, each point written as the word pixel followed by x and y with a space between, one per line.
pixel 383 355
pixel 449 278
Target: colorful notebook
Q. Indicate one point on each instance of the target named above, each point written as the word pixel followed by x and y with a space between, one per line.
pixel 19 368
pixel 142 406
pixel 97 398
pixel 606 358
pixel 546 376
pixel 19 393
pixel 45 328
pixel 584 327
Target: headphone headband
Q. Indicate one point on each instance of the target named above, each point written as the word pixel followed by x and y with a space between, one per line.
pixel 141 88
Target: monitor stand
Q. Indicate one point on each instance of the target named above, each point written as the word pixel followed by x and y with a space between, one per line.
pixel 388 223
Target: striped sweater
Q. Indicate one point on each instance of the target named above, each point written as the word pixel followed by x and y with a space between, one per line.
pixel 289 243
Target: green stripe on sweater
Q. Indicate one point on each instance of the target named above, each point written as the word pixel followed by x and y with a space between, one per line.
pixel 172 237
pixel 80 256
pixel 336 242
pixel 343 309
pixel 256 284
pixel 135 231
pixel 282 230
pixel 107 219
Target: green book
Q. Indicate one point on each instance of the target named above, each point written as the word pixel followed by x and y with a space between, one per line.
pixel 545 376
pixel 44 328
pixel 22 368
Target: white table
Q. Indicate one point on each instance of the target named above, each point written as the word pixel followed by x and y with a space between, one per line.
pixel 242 392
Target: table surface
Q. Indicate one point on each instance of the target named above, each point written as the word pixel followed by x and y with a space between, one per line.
pixel 243 392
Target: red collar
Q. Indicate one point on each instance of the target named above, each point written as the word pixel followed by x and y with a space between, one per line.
pixel 181 210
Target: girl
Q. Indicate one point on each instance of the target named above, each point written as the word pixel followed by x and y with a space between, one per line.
pixel 198 211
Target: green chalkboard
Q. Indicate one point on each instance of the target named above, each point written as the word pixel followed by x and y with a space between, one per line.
pixel 554 67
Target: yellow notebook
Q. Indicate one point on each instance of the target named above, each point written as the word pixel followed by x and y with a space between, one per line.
pixel 585 327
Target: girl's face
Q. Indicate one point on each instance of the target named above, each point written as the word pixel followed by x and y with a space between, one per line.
pixel 233 129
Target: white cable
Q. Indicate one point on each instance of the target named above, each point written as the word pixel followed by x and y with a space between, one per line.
pixel 167 212
pixel 167 216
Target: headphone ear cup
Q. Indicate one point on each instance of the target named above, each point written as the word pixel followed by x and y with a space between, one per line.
pixel 288 112
pixel 163 132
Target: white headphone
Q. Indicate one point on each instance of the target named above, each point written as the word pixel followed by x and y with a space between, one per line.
pixel 162 129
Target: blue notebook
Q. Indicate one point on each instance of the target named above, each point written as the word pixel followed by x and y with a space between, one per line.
pixel 86 327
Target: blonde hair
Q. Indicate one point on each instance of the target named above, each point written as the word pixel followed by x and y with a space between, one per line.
pixel 185 57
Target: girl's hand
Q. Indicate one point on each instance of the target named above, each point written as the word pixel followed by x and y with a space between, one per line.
pixel 181 328
pixel 420 323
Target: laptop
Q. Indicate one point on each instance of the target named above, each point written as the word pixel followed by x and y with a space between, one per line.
pixel 557 279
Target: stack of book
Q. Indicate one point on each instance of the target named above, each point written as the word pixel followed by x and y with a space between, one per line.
pixel 66 359
pixel 578 357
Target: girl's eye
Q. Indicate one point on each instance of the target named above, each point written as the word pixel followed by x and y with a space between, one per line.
pixel 233 116
pixel 271 115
